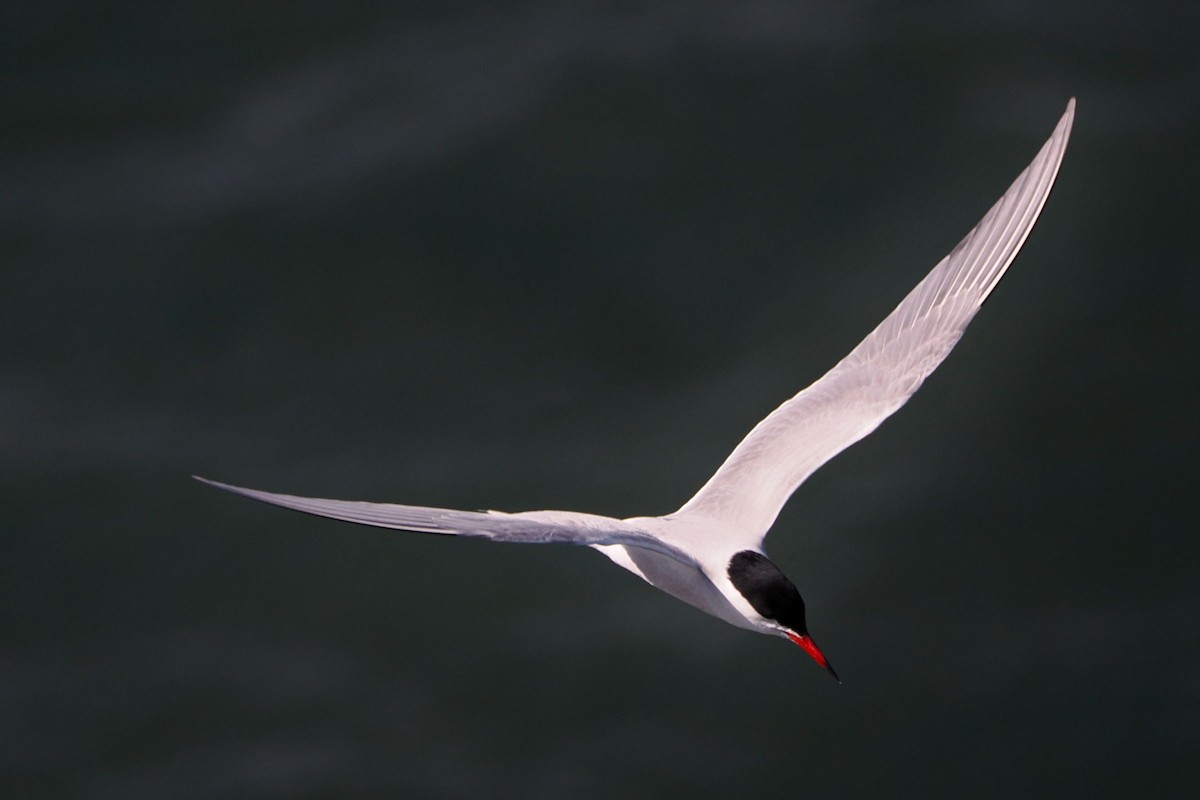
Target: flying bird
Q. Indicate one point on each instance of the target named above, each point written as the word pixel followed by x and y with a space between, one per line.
pixel 710 553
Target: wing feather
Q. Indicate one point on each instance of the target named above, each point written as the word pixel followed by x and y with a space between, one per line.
pixel 744 496
pixel 532 527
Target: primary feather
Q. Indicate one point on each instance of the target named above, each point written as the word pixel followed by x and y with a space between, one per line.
pixel 747 492
pixel 530 527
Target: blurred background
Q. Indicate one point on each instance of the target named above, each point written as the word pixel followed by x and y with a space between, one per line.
pixel 565 255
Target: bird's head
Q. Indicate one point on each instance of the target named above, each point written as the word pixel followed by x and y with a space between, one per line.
pixel 776 599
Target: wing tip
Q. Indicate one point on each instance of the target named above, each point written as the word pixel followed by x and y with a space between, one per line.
pixel 253 494
pixel 217 484
pixel 1067 120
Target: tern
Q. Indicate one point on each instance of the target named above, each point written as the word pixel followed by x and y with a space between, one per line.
pixel 710 553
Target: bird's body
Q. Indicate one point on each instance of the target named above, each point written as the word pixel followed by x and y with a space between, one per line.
pixel 709 553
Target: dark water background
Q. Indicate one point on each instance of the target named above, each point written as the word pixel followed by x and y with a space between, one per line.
pixel 564 255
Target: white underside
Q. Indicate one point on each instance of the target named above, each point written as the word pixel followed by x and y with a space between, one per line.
pixel 681 581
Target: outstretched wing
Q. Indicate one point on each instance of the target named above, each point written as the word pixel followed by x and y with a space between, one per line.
pixel 531 527
pixel 747 492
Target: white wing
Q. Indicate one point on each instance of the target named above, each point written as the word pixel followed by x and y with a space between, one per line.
pixel 740 502
pixel 532 527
